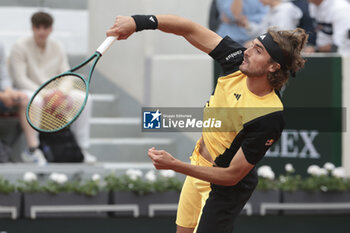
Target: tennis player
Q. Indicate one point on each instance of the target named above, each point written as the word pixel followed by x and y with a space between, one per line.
pixel 222 173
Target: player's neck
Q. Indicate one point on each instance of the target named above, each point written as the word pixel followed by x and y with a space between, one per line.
pixel 260 86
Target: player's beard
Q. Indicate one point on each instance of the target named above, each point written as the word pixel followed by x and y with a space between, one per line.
pixel 253 71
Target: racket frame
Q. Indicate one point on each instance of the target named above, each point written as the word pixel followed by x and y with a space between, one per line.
pixel 97 55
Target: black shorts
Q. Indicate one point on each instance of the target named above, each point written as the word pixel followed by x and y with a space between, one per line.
pixel 223 206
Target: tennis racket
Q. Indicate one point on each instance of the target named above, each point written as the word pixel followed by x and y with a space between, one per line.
pixel 59 101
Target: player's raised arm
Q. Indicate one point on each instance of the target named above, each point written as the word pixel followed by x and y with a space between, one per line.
pixel 199 36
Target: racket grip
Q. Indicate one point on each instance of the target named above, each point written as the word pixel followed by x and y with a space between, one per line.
pixel 106 44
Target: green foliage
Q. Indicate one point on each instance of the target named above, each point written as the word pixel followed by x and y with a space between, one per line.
pixel 167 184
pixel 316 182
pixel 54 187
pixel 134 182
pixel 125 183
pixel 289 182
pixel 265 184
pixel 325 183
pixel 88 187
pixel 30 186
pixel 6 186
pixel 141 186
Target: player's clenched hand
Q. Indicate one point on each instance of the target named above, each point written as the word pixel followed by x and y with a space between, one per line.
pixel 122 28
pixel 161 159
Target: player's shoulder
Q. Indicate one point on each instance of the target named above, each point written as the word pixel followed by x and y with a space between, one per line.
pixel 275 104
pixel 272 100
pixel 264 109
pixel 277 99
pixel 273 121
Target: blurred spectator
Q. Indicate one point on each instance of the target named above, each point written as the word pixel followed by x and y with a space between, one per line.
pixel 12 101
pixel 333 25
pixel 231 14
pixel 306 22
pixel 283 15
pixel 214 17
pixel 34 60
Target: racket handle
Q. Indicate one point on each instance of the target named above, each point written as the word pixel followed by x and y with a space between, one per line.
pixel 106 44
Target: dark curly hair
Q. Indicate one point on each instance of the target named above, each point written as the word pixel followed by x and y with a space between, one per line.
pixel 291 42
pixel 41 19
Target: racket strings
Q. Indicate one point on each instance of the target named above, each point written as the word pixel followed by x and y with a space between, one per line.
pixel 58 103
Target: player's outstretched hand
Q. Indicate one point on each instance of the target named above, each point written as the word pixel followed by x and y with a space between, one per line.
pixel 122 28
pixel 162 159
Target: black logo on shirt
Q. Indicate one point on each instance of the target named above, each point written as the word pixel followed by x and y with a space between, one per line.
pixel 237 96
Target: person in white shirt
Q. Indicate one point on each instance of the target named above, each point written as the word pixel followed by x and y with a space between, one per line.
pixel 282 15
pixel 34 60
pixel 333 25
